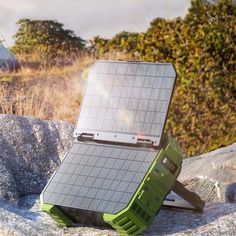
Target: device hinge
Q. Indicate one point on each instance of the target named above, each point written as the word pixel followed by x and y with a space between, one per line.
pixel 144 141
pixel 87 136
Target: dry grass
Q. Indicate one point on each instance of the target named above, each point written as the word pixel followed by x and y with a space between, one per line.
pixel 47 93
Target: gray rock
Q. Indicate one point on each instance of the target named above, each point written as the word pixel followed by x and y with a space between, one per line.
pixel 223 150
pixel 18 221
pixel 31 149
pixel 213 177
pixel 217 219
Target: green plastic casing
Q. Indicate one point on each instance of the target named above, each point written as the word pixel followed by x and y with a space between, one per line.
pixel 148 199
pixel 56 214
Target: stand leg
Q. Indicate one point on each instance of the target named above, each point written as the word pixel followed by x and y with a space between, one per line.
pixel 192 200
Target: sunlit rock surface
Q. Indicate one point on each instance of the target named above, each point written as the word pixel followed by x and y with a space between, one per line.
pixel 31 149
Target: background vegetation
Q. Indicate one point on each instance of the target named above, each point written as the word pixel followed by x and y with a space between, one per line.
pixel 47 39
pixel 202 46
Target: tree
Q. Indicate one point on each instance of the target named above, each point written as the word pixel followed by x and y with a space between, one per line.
pixel 202 47
pixel 124 43
pixel 46 37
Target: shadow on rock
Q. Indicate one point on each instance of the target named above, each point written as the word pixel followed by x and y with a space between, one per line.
pixel 231 192
pixel 30 215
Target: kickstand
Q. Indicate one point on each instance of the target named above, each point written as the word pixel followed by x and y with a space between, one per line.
pixel 189 201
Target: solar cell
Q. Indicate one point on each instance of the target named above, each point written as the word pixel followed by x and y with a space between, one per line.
pixel 98 177
pixel 126 101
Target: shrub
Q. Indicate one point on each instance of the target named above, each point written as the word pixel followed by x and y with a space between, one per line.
pixel 202 47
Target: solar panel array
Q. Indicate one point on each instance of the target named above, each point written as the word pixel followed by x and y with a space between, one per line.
pixel 98 177
pixel 128 98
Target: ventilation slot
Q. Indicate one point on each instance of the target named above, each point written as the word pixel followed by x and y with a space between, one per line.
pixel 124 222
pixel 128 225
pixel 142 213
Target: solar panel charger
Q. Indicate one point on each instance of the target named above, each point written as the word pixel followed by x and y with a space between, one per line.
pixel 121 166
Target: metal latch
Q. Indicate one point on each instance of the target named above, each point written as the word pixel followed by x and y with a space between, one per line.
pixel 144 141
pixel 87 136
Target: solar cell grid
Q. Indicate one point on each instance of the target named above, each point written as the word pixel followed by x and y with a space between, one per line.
pixel 126 98
pixel 124 102
pixel 98 177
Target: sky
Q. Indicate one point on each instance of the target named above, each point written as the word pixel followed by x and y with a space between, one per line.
pixel 89 18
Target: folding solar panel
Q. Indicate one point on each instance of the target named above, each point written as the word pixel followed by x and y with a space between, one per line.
pixel 120 165
pixel 98 177
pixel 125 102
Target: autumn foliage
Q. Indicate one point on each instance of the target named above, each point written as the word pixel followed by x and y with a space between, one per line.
pixel 202 48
